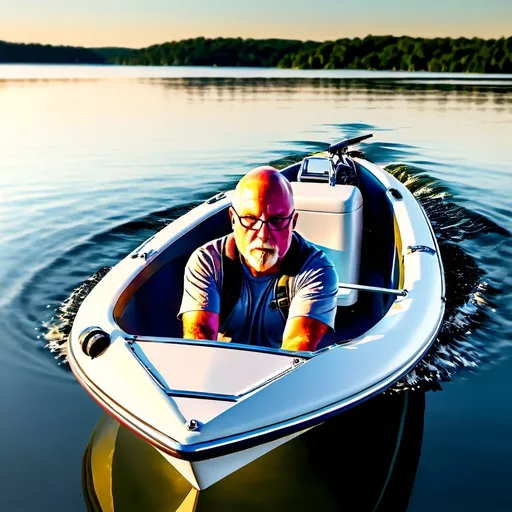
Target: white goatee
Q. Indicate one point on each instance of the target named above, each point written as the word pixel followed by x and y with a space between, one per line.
pixel 262 256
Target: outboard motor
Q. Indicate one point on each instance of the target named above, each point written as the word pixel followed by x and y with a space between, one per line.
pixel 94 341
pixel 346 172
pixel 336 169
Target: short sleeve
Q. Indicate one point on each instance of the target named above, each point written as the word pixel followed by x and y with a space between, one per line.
pixel 200 289
pixel 316 292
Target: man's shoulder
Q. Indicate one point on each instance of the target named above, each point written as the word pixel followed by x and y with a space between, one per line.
pixel 213 247
pixel 208 254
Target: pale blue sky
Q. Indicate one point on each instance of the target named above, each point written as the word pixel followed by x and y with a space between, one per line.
pixel 141 23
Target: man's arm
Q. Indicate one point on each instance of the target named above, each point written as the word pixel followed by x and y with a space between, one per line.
pixel 200 304
pixel 200 325
pixel 313 308
pixel 303 333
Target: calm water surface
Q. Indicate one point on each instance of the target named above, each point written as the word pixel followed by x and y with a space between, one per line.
pixel 92 162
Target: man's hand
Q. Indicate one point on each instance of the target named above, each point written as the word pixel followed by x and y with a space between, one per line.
pixel 200 325
pixel 303 333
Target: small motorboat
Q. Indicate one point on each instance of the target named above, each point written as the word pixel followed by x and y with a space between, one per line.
pixel 211 407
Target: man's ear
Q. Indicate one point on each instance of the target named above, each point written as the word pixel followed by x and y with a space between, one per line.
pixel 231 216
pixel 295 217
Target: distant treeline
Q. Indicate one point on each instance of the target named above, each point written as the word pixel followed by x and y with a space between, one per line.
pixel 47 54
pixel 373 53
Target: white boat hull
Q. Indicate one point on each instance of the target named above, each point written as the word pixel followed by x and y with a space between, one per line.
pixel 203 474
pixel 209 407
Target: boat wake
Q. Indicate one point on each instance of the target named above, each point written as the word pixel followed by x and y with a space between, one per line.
pixel 59 327
pixel 470 300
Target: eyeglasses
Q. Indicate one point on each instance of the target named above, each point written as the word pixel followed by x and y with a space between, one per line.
pixel 276 223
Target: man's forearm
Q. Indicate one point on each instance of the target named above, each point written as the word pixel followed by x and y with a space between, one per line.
pixel 200 325
pixel 299 344
pixel 303 334
pixel 198 332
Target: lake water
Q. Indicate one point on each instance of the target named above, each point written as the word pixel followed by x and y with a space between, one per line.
pixel 93 160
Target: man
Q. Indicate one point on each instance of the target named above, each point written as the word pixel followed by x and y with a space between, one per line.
pixel 262 249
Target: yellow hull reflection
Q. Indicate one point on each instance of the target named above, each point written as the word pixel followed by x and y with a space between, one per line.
pixel 374 447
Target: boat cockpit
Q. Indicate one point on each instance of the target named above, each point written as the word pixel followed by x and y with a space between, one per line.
pixel 353 223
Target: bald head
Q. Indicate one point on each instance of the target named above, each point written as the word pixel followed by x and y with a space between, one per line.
pixel 263 184
pixel 264 199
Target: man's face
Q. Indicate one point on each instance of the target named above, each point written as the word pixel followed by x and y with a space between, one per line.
pixel 263 248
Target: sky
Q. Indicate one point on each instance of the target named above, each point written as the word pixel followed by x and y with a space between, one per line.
pixel 138 23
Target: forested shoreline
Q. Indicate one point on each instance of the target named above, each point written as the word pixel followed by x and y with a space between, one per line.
pixel 370 53
pixel 19 53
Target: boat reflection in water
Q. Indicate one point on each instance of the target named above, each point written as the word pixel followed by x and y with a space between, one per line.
pixel 363 459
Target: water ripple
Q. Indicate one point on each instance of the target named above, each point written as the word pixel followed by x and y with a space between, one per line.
pixel 471 301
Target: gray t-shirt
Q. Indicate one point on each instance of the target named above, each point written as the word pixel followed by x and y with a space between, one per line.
pixel 313 290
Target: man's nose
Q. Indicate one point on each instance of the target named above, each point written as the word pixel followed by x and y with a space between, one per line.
pixel 264 231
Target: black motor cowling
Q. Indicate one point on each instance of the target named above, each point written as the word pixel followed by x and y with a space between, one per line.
pixel 346 172
pixel 94 341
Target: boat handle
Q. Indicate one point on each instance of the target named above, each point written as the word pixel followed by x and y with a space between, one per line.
pixel 364 288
